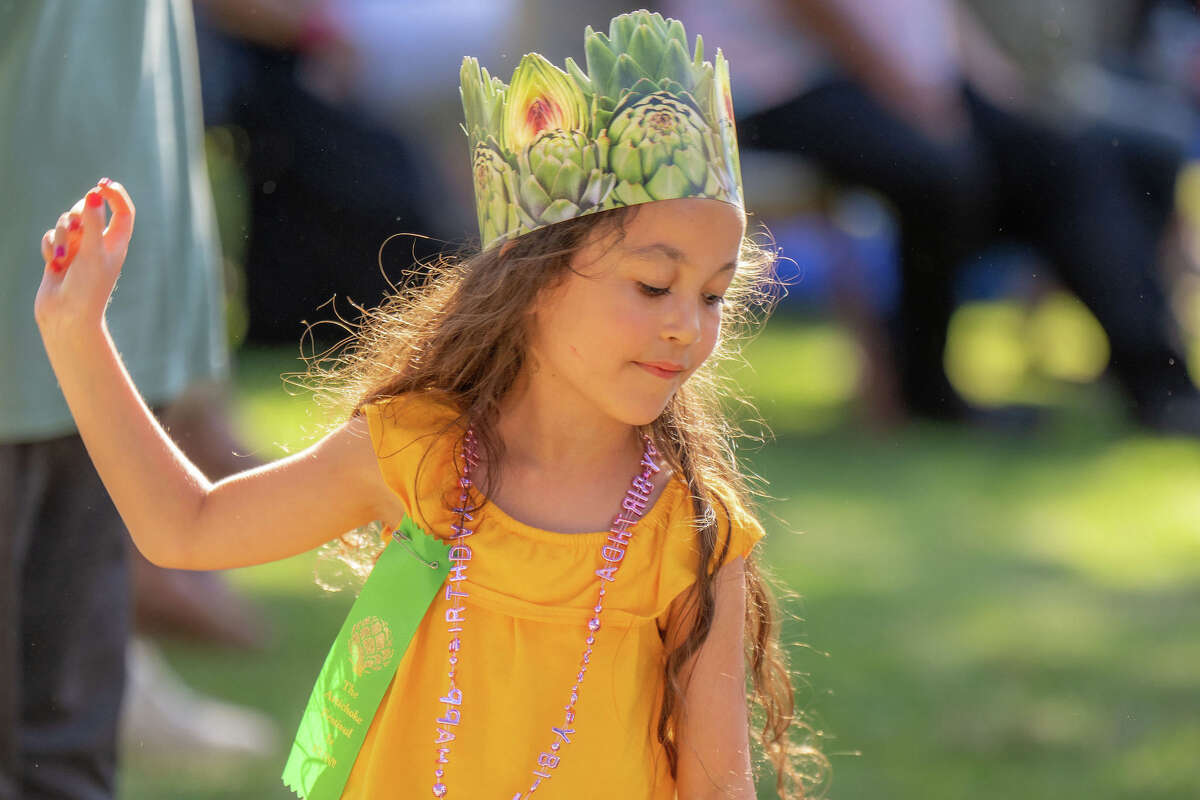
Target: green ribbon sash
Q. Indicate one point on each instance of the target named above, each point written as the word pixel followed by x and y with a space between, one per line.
pixel 363 660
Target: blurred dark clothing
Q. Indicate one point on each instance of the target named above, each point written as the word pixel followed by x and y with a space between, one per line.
pixel 65 600
pixel 1093 204
pixel 327 187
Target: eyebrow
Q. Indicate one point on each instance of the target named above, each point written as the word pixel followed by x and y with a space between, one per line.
pixel 673 253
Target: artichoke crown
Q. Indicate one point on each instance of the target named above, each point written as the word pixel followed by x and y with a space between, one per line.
pixel 646 121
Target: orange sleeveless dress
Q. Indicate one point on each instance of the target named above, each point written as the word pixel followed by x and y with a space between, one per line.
pixel 531 593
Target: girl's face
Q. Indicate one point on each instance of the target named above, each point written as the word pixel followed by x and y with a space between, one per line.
pixel 634 320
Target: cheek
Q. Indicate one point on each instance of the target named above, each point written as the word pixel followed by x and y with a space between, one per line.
pixel 710 333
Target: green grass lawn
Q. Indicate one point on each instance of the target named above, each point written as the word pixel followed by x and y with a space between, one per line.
pixel 984 615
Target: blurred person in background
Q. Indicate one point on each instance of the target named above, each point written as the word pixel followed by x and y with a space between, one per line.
pixel 913 99
pixel 67 593
pixel 324 92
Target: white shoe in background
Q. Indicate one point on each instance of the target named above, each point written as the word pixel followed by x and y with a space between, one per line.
pixel 164 720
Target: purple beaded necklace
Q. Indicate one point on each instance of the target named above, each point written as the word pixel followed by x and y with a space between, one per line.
pixel 637 497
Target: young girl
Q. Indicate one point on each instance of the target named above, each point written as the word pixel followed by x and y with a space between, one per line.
pixel 547 410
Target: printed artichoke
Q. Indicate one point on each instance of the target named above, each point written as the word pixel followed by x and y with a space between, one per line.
pixel 495 192
pixel 483 100
pixel 541 97
pixel 642 53
pixel 560 175
pixel 661 148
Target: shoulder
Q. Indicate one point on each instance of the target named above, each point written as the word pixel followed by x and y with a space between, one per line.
pixel 735 526
pixel 400 421
pixel 736 521
pixel 411 436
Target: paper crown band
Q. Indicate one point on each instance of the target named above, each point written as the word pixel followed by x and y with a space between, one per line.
pixel 645 122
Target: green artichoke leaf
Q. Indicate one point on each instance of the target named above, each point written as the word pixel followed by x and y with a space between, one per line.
pixel 587 159
pixel 642 87
pixel 646 49
pixel 568 182
pixel 694 165
pixel 616 127
pixel 630 194
pixel 582 80
pixel 559 211
pixel 626 162
pixel 677 66
pixel 525 223
pixel 544 168
pixel 659 24
pixel 620 31
pixel 533 197
pixel 671 87
pixel 676 33
pixel 668 183
pixel 598 186
pixel 601 63
pixel 703 96
pixel 628 72
pixel 653 153
pixel 602 145
pixel 698 53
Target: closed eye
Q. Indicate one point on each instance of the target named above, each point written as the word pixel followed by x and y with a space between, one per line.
pixel 653 291
pixel 659 291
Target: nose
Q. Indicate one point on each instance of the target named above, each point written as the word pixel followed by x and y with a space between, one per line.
pixel 682 324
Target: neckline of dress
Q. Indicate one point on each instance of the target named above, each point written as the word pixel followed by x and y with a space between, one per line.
pixel 511 523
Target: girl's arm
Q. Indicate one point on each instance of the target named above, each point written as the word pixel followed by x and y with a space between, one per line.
pixel 176 516
pixel 714 737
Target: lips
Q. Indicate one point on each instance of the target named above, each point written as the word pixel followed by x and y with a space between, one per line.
pixel 662 369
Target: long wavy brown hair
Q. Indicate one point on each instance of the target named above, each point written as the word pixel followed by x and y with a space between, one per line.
pixel 464 334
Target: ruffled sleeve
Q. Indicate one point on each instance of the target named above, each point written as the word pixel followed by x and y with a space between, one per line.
pixel 681 548
pixel 406 432
pixel 737 524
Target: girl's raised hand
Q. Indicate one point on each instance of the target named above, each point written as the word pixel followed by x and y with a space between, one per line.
pixel 83 259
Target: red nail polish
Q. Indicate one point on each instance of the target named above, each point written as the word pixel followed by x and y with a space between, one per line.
pixel 94 199
pixel 56 266
pixel 59 252
pixel 74 225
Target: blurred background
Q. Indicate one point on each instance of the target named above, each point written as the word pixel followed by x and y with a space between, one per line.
pixel 985 469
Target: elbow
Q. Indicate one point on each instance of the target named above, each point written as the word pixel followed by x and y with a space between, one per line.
pixel 158 554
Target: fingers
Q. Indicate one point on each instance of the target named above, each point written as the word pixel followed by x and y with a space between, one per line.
pixel 93 219
pixel 120 228
pixel 84 226
pixel 59 244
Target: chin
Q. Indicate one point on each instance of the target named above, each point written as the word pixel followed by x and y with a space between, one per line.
pixel 644 413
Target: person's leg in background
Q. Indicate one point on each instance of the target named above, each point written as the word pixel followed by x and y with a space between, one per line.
pixel 70 614
pixel 1076 201
pixel 941 191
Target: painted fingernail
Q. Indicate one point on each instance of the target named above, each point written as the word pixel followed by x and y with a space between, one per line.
pixel 59 252
pixel 74 225
pixel 94 199
pixel 56 266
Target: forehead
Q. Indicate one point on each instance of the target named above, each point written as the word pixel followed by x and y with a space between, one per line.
pixel 696 230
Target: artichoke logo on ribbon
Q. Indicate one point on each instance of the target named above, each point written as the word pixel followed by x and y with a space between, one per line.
pixel 645 122
pixel 370 645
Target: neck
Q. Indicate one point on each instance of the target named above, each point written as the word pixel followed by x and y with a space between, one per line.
pixel 542 429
